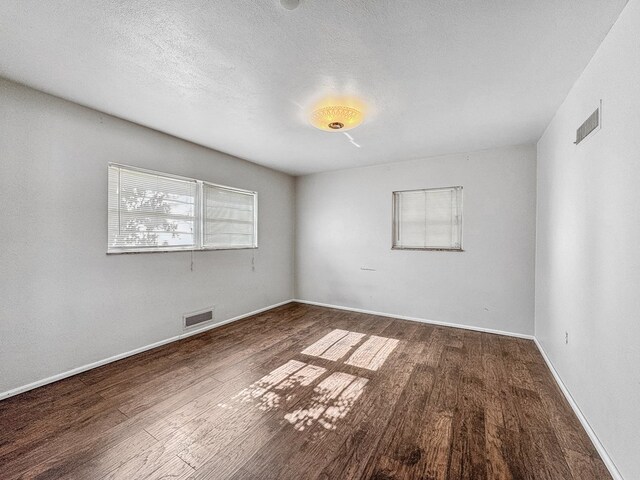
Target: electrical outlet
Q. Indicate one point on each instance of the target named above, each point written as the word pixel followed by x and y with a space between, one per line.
pixel 566 338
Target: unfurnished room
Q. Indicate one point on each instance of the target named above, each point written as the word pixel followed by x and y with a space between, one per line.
pixel 320 239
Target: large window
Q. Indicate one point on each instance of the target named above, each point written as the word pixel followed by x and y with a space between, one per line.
pixel 429 219
pixel 152 211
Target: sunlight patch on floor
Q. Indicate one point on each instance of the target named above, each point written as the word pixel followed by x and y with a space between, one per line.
pixel 333 397
pixel 332 400
pixel 342 347
pixel 336 344
pixel 373 353
pixel 267 392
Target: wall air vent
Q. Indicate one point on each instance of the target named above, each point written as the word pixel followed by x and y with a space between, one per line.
pixel 590 125
pixel 196 318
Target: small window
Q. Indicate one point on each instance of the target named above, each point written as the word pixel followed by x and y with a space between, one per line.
pixel 429 219
pixel 151 211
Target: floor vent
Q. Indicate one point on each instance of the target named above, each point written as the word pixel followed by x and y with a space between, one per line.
pixel 590 125
pixel 196 318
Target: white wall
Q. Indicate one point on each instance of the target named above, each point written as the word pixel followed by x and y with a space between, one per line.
pixel 63 302
pixel 588 258
pixel 344 224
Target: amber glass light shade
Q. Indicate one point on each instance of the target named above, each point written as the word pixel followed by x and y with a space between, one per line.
pixel 336 118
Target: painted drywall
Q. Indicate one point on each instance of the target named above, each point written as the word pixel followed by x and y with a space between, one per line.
pixel 64 303
pixel 344 254
pixel 588 233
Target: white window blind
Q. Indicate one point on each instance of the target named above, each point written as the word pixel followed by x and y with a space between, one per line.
pixel 428 219
pixel 152 211
pixel 229 217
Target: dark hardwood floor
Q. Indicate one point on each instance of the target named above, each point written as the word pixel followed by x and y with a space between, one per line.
pixel 304 392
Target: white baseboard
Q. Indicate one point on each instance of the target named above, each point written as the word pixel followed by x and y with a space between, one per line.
pixel 84 368
pixel 421 320
pixel 613 470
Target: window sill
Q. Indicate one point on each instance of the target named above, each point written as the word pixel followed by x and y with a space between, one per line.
pixel 430 249
pixel 176 250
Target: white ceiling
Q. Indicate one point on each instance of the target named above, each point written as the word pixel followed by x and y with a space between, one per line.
pixel 438 76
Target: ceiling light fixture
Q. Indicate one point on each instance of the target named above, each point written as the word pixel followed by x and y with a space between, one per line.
pixel 290 4
pixel 336 118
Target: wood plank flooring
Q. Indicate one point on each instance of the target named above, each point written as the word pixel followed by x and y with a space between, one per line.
pixel 370 398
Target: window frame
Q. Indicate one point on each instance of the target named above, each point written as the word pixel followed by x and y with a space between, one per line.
pixel 395 220
pixel 198 215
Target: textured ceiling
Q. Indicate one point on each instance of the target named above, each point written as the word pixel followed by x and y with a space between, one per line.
pixel 438 76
